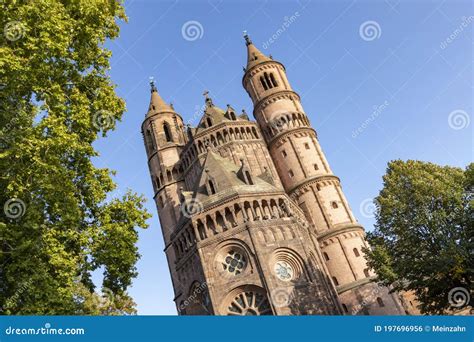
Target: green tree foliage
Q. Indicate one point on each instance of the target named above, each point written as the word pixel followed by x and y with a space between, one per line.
pixel 58 223
pixel 422 240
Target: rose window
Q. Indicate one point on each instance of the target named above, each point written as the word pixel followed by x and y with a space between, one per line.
pixel 249 303
pixel 283 270
pixel 234 262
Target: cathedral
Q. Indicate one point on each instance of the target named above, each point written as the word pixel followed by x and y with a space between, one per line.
pixel 253 219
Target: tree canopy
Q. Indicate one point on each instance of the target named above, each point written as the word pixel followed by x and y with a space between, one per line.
pixel 59 223
pixel 422 240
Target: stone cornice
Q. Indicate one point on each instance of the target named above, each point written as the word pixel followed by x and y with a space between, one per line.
pixel 294 130
pixel 310 181
pixel 147 118
pixel 259 67
pixel 358 283
pixel 273 97
pixel 339 230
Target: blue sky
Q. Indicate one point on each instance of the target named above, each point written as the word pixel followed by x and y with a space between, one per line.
pixel 379 80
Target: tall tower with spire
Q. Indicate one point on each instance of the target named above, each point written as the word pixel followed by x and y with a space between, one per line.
pixel 254 221
pixel 310 183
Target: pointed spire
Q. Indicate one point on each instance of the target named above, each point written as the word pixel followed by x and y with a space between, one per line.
pixel 254 55
pixel 157 104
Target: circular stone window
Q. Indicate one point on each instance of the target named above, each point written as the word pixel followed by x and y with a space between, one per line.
pixel 283 270
pixel 249 303
pixel 234 262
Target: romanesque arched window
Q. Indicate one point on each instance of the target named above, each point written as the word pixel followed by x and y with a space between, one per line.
pixel 334 204
pixel 334 279
pixel 166 129
pixel 209 122
pixel 267 80
pixel 150 142
pixel 356 252
pixel 264 83
pixel 272 78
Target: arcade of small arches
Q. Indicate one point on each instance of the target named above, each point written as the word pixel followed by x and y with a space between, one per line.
pixel 224 218
pixel 284 122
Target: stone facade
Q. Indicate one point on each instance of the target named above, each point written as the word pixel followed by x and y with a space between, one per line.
pixel 253 219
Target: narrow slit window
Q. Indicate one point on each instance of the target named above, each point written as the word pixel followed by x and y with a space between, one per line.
pixel 264 83
pixel 166 129
pixel 273 80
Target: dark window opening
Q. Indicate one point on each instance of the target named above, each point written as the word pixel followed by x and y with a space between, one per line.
pixel 356 252
pixel 166 128
pixel 326 256
pixel 267 80
pixel 334 279
pixel 264 83
pixel 212 189
pixel 249 179
pixel 380 302
pixel 344 307
pixel 273 80
pixel 334 205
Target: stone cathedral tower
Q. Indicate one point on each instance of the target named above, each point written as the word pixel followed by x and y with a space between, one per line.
pixel 254 221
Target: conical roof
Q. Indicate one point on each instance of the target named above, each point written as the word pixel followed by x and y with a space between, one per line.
pixel 254 55
pixel 157 104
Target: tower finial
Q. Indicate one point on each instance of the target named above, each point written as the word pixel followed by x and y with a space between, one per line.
pixel 152 84
pixel 208 98
pixel 247 38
